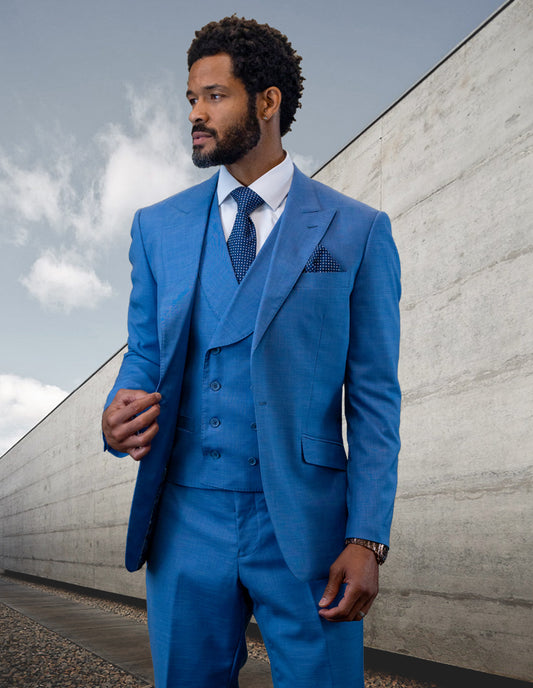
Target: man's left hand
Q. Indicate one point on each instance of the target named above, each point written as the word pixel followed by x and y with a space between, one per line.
pixel 357 567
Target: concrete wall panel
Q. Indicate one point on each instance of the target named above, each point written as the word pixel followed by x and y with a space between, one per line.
pixel 501 645
pixel 454 171
pixel 64 503
pixel 357 170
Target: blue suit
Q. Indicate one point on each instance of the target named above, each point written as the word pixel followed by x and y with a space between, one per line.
pixel 314 333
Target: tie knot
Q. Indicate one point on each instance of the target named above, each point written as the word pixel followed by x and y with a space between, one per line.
pixel 247 199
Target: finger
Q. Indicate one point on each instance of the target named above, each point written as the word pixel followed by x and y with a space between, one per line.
pixel 137 424
pixel 332 588
pixel 361 612
pixel 352 600
pixel 126 404
pixel 141 439
pixel 342 611
pixel 121 429
pixel 124 397
pixel 138 453
pixel 348 610
pixel 368 605
pixel 134 407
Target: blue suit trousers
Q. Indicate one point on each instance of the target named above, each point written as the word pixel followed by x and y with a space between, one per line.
pixel 215 561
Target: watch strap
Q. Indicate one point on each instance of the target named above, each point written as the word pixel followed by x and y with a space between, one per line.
pixel 379 550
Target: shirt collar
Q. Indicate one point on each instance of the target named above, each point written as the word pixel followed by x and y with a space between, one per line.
pixel 273 186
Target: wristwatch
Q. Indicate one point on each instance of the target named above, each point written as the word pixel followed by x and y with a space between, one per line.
pixel 379 550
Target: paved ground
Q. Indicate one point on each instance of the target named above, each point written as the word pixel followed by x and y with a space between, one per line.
pixel 118 640
pixel 37 657
pixel 56 638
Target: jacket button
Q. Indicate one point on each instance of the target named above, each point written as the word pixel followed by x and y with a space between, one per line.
pixel 214 422
pixel 253 426
pixel 252 460
pixel 215 385
pixel 215 351
pixel 214 454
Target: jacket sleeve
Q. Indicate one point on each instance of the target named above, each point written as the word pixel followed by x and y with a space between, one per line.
pixel 140 365
pixel 372 392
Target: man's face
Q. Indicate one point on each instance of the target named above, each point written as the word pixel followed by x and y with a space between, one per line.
pixel 224 118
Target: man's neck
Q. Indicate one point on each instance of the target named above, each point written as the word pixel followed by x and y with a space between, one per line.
pixel 256 163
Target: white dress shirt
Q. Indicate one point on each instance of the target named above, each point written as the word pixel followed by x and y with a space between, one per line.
pixel 273 188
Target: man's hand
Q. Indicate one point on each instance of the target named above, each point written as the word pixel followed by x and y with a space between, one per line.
pixel 129 422
pixel 357 567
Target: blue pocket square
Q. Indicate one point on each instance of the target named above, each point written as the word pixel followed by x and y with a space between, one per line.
pixel 321 260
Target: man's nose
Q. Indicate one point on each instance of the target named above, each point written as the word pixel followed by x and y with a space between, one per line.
pixel 197 114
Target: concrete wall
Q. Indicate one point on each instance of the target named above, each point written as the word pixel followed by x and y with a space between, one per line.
pixel 451 162
pixel 64 503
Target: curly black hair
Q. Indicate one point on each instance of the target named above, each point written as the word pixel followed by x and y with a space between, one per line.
pixel 261 55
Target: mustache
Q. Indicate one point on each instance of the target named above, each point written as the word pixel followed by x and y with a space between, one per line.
pixel 206 130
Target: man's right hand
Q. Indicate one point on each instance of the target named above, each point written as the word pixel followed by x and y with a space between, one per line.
pixel 129 422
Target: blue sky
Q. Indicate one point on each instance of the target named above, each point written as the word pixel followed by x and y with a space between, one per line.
pixel 94 125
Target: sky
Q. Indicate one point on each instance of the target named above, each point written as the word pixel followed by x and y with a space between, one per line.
pixel 93 125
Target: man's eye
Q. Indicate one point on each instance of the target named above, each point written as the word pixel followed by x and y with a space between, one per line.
pixel 216 96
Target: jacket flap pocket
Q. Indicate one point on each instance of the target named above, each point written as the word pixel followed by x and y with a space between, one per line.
pixel 327 453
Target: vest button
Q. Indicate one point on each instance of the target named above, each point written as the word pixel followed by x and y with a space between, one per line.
pixel 215 351
pixel 214 422
pixel 252 460
pixel 214 454
pixel 215 385
pixel 253 426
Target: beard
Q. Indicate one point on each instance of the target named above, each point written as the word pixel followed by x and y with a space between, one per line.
pixel 233 145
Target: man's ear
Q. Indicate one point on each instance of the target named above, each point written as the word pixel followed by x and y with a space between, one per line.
pixel 268 103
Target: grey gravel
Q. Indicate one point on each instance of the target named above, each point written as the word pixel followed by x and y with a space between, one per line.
pixel 34 657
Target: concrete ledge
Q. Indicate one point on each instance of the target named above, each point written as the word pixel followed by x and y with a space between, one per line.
pixel 139 602
pixel 444 675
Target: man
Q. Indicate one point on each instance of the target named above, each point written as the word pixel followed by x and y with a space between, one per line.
pixel 257 297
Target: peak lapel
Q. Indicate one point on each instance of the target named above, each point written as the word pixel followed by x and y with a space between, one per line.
pixel 303 224
pixel 182 241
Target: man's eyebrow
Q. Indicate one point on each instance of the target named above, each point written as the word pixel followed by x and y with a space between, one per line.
pixel 210 87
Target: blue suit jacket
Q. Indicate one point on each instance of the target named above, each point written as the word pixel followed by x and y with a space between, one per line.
pixel 315 332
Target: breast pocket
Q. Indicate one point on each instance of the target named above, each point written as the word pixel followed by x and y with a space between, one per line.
pixel 323 280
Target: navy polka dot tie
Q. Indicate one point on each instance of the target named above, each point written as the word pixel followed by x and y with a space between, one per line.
pixel 242 242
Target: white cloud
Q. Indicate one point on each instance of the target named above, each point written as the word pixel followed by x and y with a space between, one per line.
pixel 122 171
pixel 23 403
pixel 64 283
pixel 19 236
pixel 140 168
pixel 33 195
pixel 133 168
pixel 306 163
